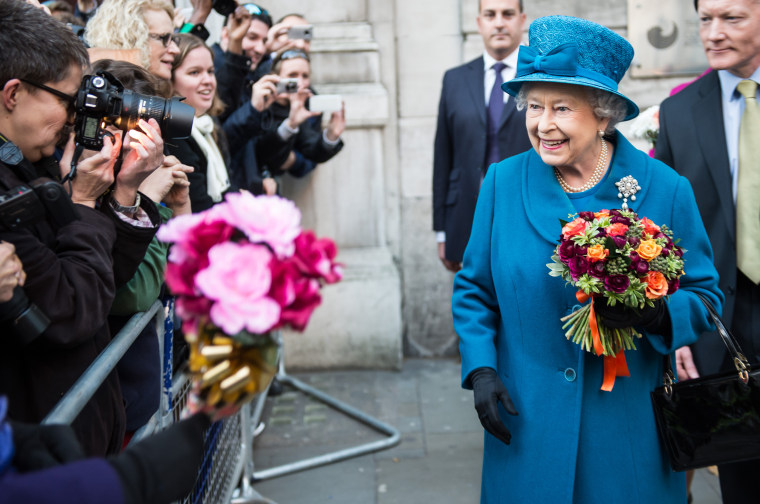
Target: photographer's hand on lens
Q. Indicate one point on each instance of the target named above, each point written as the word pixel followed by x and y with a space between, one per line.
pixel 143 153
pixel 337 124
pixel 489 391
pixel 94 170
pixel 654 319
pixel 11 271
pixel 264 92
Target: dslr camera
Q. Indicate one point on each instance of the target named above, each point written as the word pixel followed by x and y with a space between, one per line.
pixel 102 100
pixel 23 206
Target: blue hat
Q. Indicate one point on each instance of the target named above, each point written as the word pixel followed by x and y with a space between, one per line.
pixel 571 50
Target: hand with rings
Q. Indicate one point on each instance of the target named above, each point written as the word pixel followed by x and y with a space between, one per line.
pixel 11 271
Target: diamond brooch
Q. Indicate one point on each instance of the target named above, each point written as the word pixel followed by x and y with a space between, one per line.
pixel 627 188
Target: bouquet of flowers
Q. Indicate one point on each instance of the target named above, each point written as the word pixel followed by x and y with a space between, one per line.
pixel 647 126
pixel 624 258
pixel 238 271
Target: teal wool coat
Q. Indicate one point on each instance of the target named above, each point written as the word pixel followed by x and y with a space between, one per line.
pixel 572 442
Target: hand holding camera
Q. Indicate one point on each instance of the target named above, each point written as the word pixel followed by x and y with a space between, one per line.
pixel 298 111
pixel 237 26
pixel 94 172
pixel 11 271
pixel 336 125
pixel 264 92
pixel 169 184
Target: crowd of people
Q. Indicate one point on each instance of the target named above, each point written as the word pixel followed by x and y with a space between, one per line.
pixel 75 268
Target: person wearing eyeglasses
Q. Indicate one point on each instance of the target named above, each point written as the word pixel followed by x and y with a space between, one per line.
pixel 72 268
pixel 137 24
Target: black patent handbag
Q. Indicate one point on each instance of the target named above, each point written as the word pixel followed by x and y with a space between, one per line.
pixel 713 419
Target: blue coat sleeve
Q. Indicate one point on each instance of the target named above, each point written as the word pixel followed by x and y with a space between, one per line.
pixel 474 304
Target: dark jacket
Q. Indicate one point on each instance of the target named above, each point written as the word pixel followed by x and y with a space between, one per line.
pixel 272 151
pixel 72 273
pixel 460 151
pixel 189 152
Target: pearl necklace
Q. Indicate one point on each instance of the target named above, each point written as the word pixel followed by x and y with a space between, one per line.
pixel 601 167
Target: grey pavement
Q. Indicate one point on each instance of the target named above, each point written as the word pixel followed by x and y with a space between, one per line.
pixel 437 461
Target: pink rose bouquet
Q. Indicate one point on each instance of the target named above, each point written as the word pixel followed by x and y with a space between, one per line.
pixel 619 256
pixel 238 271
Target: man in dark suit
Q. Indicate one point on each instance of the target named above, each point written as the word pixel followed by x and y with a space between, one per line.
pixel 474 130
pixel 699 137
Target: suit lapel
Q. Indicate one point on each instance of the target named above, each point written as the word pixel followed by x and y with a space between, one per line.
pixel 707 116
pixel 475 82
pixel 509 109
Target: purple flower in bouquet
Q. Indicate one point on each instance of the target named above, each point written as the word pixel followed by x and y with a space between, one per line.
pixel 597 269
pixel 589 216
pixel 634 241
pixel 566 250
pixel 578 266
pixel 673 285
pixel 616 283
pixel 620 241
pixel 638 265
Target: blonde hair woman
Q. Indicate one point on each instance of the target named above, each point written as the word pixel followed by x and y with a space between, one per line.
pixel 137 24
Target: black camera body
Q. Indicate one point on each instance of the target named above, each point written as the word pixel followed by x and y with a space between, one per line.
pixel 102 100
pixel 22 206
pixel 224 7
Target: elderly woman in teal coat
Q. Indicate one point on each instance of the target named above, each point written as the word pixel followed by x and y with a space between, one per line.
pixel 552 435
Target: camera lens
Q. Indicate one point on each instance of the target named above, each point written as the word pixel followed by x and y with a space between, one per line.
pixel 224 7
pixel 174 117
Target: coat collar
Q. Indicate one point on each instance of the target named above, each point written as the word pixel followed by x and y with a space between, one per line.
pixel 546 203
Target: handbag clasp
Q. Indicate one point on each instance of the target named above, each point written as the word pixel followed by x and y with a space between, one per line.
pixel 668 379
pixel 742 366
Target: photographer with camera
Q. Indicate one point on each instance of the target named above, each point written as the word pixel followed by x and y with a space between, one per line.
pixel 76 250
pixel 11 271
pixel 292 129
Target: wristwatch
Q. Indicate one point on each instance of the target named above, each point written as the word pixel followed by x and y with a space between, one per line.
pixel 125 209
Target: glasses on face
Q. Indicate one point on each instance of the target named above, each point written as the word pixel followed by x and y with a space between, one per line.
pixel 255 10
pixel 165 38
pixel 68 99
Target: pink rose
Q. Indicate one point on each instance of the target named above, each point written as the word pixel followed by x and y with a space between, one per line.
pixel 238 280
pixel 315 257
pixel 576 227
pixel 296 294
pixel 270 219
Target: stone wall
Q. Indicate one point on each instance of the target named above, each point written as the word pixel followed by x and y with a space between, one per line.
pixel 387 59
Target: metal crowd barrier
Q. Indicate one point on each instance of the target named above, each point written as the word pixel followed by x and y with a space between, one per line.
pixel 227 472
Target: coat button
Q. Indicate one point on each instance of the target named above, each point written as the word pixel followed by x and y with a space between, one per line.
pixel 570 374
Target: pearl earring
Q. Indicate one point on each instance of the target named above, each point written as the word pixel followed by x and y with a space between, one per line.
pixel 601 133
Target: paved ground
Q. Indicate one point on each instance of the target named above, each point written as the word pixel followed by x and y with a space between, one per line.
pixel 437 461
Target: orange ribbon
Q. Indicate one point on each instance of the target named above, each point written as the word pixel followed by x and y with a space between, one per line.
pixel 613 366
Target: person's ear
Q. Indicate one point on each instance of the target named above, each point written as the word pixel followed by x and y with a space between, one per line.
pixel 10 94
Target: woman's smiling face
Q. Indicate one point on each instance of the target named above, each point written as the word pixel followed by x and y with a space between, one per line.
pixel 562 126
pixel 194 79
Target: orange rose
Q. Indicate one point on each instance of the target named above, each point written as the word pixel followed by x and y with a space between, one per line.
pixel 597 253
pixel 650 227
pixel 648 250
pixel 617 229
pixel 602 213
pixel 576 227
pixel 657 286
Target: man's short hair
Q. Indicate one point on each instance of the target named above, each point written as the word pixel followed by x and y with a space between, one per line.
pixel 257 12
pixel 35 46
pixel 520 5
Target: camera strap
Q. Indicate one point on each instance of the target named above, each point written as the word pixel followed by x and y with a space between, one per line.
pixel 12 156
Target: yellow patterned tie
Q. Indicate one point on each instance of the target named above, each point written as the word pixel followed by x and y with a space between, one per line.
pixel 748 192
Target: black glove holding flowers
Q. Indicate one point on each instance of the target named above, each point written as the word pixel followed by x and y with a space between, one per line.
pixel 654 319
pixel 489 391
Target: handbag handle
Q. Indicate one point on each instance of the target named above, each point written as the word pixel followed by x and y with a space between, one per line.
pixel 740 361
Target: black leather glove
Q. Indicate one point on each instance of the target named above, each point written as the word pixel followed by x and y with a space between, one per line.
pixel 489 391
pixel 162 468
pixel 654 319
pixel 44 446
